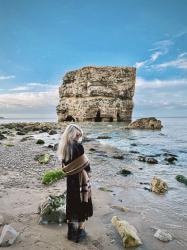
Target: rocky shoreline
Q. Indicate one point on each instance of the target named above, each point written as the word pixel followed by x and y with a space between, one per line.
pixel 21 191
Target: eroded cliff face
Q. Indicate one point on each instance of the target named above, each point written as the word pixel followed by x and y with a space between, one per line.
pixel 97 94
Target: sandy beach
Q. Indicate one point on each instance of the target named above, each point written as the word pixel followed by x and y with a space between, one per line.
pixel 21 191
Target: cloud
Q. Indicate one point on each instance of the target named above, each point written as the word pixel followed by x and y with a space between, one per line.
pixel 29 102
pixel 161 48
pixel 20 88
pixel 163 45
pixel 33 86
pixel 160 83
pixel 180 62
pixel 7 77
pixel 155 56
pixel 140 64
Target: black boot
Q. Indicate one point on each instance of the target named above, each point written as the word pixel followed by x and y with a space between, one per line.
pixel 81 235
pixel 71 235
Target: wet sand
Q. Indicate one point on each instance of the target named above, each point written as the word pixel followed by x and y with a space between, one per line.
pixel 21 191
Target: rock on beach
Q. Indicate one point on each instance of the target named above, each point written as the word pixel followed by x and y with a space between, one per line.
pixel 127 232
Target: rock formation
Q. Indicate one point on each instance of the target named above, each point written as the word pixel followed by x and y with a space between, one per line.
pixel 146 123
pixel 97 94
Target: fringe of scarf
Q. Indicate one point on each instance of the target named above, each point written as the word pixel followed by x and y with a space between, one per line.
pixel 77 166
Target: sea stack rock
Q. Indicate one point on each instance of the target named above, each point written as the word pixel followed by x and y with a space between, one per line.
pixel 97 94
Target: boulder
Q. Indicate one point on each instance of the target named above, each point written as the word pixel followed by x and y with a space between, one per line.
pixel 53 209
pixel 151 160
pixel 145 123
pixel 125 172
pixel 2 137
pixel 8 236
pixel 127 232
pixel 162 235
pixel 52 132
pixel 40 141
pixel 158 186
pixel 141 158
pixel 182 179
pixel 170 159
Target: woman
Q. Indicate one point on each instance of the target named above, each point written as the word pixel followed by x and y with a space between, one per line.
pixel 78 199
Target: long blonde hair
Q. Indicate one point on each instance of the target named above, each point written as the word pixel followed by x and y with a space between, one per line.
pixel 64 150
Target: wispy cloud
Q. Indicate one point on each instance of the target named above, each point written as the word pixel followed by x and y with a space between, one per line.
pixel 180 62
pixel 7 77
pixel 160 48
pixel 160 83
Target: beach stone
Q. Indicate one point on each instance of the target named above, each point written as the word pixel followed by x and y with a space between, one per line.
pixel 52 209
pixel 163 235
pixel 125 172
pixel 170 159
pixel 121 208
pixel 169 154
pixel 55 147
pixel 2 136
pixel 40 141
pixel 158 186
pixel 92 149
pixel 151 160
pixel 26 138
pixel 43 158
pixel 141 158
pixel 1 220
pixel 127 232
pixel 8 236
pixel 20 133
pixel 104 137
pixel 182 179
pixel 105 189
pixel 145 123
pixel 52 132
pixel 118 156
pixel 97 94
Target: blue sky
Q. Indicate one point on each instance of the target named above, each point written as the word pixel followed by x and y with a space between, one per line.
pixel 41 40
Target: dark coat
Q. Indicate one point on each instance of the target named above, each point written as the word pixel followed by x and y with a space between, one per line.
pixel 75 209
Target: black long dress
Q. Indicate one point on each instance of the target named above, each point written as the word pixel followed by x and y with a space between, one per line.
pixel 75 209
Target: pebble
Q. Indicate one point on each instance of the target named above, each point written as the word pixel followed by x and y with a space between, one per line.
pixel 163 235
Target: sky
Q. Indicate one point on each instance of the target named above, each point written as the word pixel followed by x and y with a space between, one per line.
pixel 42 40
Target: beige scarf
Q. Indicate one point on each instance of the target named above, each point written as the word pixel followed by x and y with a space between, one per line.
pixel 77 166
